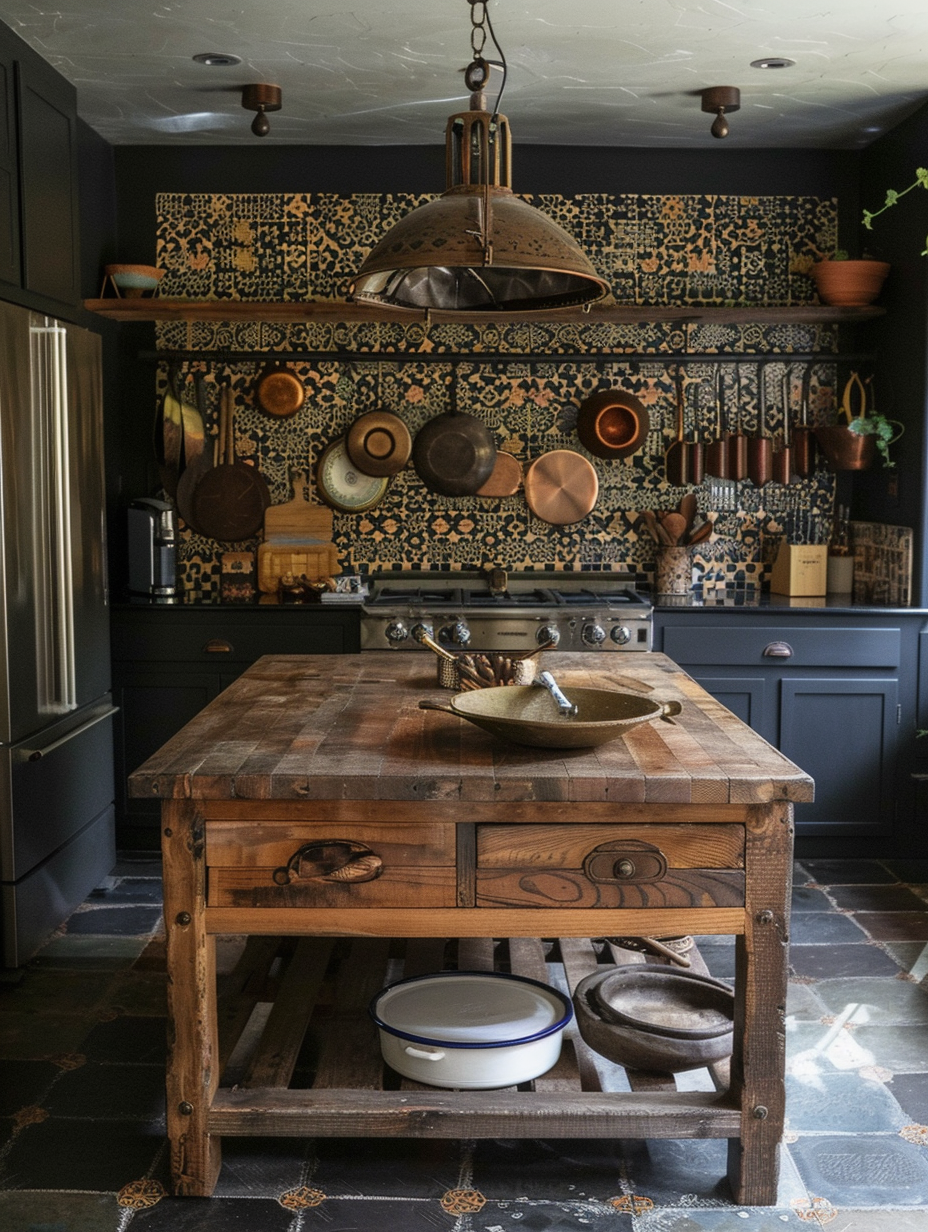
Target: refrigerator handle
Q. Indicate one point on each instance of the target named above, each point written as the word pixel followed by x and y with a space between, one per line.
pixel 24 754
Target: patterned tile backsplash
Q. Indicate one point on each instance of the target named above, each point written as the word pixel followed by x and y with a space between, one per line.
pixel 525 381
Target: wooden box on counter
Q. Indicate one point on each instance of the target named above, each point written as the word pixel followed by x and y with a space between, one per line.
pixel 800 569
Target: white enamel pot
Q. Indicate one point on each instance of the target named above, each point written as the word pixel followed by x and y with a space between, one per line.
pixel 472 1030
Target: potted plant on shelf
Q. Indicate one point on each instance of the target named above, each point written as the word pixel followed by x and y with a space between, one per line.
pixel 842 282
pixel 850 446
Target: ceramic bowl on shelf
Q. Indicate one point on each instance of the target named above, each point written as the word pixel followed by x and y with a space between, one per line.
pixel 134 280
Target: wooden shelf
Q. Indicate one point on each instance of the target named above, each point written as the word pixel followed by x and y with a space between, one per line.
pixel 295 312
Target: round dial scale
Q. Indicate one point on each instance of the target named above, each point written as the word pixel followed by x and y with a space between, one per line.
pixel 342 485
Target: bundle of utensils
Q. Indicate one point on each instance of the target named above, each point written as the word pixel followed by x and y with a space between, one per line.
pixel 467 670
pixel 680 527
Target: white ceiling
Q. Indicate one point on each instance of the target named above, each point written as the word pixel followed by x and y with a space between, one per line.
pixel 581 72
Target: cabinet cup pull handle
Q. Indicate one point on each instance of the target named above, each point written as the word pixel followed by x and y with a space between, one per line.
pixel 218 645
pixel 778 650
pixel 335 859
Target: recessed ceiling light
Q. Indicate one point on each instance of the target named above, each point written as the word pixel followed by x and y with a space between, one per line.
pixel 773 62
pixel 217 59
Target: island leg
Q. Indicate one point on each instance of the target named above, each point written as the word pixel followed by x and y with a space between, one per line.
pixel 759 1057
pixel 192 1077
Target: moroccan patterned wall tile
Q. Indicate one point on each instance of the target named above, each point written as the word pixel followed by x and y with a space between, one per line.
pixel 657 250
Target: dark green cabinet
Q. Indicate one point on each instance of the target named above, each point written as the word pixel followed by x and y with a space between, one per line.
pixel 170 662
pixel 837 695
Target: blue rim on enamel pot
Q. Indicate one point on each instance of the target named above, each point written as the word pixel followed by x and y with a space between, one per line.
pixel 472 1030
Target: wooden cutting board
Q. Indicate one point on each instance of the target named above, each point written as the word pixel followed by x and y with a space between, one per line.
pixel 297 540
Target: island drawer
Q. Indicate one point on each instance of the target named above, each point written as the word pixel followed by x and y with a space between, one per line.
pixel 330 864
pixel 750 645
pixel 578 865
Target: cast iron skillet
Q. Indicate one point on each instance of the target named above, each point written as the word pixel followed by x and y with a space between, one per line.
pixel 454 453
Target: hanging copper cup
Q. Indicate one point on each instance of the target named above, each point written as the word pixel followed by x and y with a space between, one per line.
pixel 760 448
pixel 717 463
pixel 803 443
pixel 738 441
pixel 782 464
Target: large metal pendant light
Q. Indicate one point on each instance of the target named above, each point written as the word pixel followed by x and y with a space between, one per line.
pixel 477 247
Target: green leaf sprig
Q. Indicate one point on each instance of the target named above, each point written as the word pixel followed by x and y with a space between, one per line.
pixel 892 196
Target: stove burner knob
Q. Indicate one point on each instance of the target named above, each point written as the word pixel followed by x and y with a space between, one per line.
pixel 396 631
pixel 620 635
pixel 592 635
pixel 548 634
pixel 457 634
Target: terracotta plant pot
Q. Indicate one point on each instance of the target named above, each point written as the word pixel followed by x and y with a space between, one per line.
pixel 846 450
pixel 849 284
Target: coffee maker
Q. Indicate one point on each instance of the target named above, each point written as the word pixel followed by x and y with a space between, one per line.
pixel 152 548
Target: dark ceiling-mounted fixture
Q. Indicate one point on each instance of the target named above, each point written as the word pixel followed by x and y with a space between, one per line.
pixel 477 247
pixel 261 98
pixel 721 99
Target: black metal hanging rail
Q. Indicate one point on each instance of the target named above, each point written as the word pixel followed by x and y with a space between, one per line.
pixel 507 357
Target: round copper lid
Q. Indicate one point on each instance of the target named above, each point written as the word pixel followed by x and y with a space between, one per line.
pixel 561 487
pixel 612 424
pixel 379 443
pixel 505 477
pixel 280 393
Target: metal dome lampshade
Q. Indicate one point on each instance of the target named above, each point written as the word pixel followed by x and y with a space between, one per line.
pixel 477 247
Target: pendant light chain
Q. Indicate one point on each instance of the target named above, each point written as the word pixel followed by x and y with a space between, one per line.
pixel 480 24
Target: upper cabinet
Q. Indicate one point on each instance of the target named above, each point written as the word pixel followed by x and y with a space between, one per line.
pixel 39 221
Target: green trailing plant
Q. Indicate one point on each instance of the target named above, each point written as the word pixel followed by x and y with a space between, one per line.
pixel 892 196
pixel 875 423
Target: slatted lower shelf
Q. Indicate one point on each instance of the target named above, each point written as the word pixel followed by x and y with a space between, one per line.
pixel 301 1055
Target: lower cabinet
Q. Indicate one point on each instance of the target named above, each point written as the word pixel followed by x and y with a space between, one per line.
pixel 170 662
pixel 835 695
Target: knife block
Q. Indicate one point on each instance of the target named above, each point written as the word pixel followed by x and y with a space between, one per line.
pixel 800 569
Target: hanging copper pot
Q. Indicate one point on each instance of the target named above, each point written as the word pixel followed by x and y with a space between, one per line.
pixel 612 423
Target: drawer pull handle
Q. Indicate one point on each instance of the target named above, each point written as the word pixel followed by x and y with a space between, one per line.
pixel 218 645
pixel 626 860
pixel 335 859
pixel 778 650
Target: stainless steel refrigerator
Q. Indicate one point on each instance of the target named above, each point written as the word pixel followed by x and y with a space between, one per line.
pixel 56 748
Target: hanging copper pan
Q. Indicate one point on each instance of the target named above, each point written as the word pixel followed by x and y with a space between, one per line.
pixel 279 393
pixel 561 487
pixel 505 478
pixel 612 424
pixel 379 443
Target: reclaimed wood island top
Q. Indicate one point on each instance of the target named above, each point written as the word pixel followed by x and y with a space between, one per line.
pixel 317 727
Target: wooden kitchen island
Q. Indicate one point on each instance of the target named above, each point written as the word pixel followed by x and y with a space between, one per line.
pixel 348 839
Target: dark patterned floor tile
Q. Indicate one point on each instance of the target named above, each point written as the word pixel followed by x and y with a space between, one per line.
pixel 911 1093
pixel 24 1083
pixel 59 1212
pixel 118 921
pixel 882 1221
pixel 535 1168
pixel 837 961
pixel 823 928
pixel 894 925
pixel 39 1037
pixel 219 1215
pixel 90 953
pixel 915 872
pixel 876 898
pixel 734 1219
pixel 139 890
pixel 669 1172
pixel 109 1092
pixel 807 898
pixel 129 1039
pixel 137 864
pixel 848 872
pixel 841 1103
pixel 389 1167
pixel 265 1167
pixel 71 992
pixel 863 1170
pixel 803 1004
pixel 719 958
pixel 139 992
pixel 900 1049
pixel 869 1002
pixel 60 1153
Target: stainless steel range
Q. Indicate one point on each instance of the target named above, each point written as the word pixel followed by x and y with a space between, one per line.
pixel 494 611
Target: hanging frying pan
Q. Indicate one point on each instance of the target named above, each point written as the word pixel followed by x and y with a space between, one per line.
pixel 612 424
pixel 454 453
pixel 561 487
pixel 279 392
pixel 378 443
pixel 230 500
pixel 194 471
